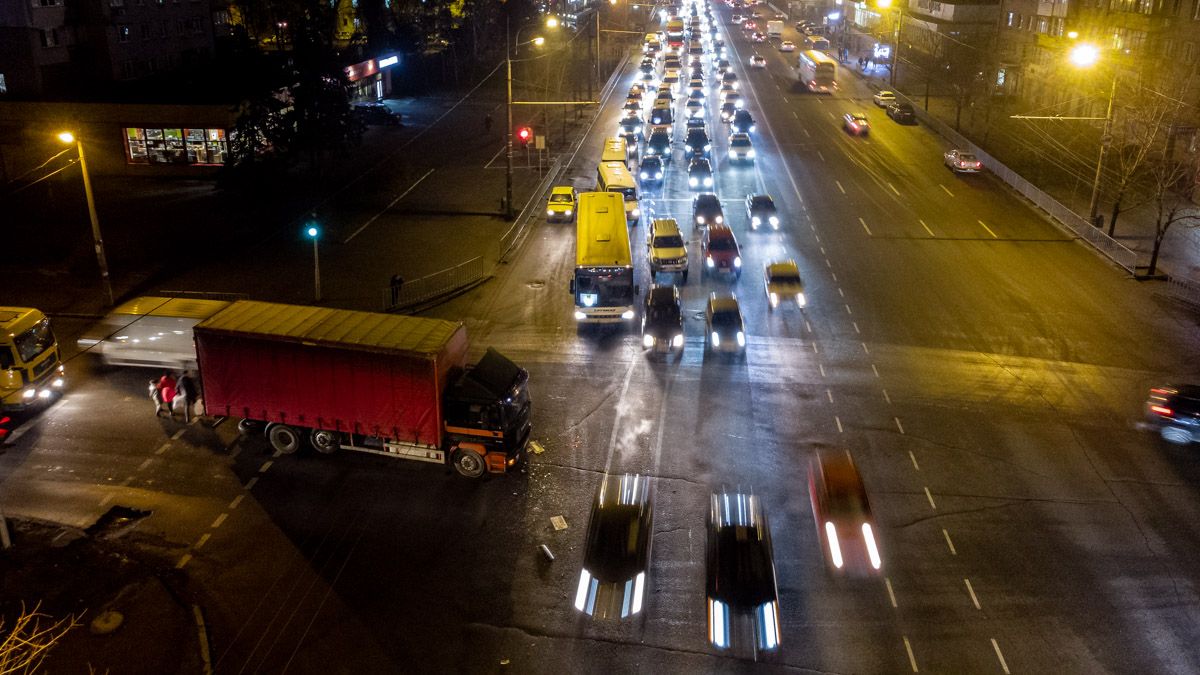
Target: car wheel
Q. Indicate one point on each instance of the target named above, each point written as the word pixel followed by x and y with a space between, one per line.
pixel 1176 435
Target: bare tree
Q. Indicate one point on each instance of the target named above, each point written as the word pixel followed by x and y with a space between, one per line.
pixel 26 644
pixel 1173 184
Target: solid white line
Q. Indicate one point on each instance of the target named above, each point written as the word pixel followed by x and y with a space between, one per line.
pixel 926 228
pixel 899 426
pixel 177 434
pixel 251 482
pixel 974 600
pixel 236 502
pixel 829 395
pixel 946 189
pixel 839 424
pixel 930 496
pixel 894 188
pixel 162 448
pixel 220 519
pixel 839 184
pixel 385 209
pixel 266 465
pixel 912 660
pixel 989 230
pixel 1000 656
pixel 886 397
pixel 183 561
pixel 203 540
pixel 914 460
pixel 864 224
pixel 891 595
pixel 948 542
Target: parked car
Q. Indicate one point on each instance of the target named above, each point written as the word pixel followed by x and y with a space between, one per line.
pixel 962 161
pixel 659 144
pixel 697 143
pixel 884 98
pixel 902 113
pixel 376 113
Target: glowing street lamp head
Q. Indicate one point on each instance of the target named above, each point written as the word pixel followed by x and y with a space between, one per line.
pixel 883 4
pixel 1085 55
pixel 312 232
pixel 539 41
pixel 66 137
pixel 1073 34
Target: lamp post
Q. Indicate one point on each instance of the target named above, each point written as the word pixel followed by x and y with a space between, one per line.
pixel 314 233
pixel 884 4
pixel 509 46
pixel 68 137
pixel 1085 56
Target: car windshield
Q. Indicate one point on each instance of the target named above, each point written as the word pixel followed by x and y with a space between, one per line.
pixel 662 313
pixel 33 342
pixel 762 203
pixel 614 535
pixel 721 245
pixel 707 203
pixel 651 163
pixel 658 138
pixel 668 241
pixel 739 143
pixel 727 318
pixel 786 278
pixel 560 199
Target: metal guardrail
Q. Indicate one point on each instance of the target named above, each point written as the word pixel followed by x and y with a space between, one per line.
pixel 1187 290
pixel 513 236
pixel 434 285
pixel 1062 216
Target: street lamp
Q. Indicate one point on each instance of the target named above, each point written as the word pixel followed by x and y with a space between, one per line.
pixel 1085 56
pixel 68 138
pixel 885 4
pixel 509 46
pixel 314 233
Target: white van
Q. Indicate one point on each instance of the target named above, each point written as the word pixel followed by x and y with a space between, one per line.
pixel 150 332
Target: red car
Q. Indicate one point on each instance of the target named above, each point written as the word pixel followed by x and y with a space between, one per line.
pixel 845 526
pixel 720 252
pixel 750 25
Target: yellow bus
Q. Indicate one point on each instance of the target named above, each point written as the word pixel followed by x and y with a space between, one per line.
pixel 603 282
pixel 615 150
pixel 31 370
pixel 616 177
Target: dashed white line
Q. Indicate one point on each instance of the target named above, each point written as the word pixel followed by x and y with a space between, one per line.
pixel 217 523
pixel 107 498
pixel 912 660
pixel 266 465
pixel 162 448
pixel 183 561
pixel 834 274
pixel 989 230
pixel 926 227
pixel 178 434
pixel 236 502
pixel 899 426
pixel 821 366
pixel 865 349
pixel 894 188
pixel 841 292
pixel 891 595
pixel 929 495
pixel 999 655
pixel 949 543
pixel 829 395
pixel 144 464
pixel 823 250
pixel 821 155
pixel 250 484
pixel 839 424
pixel 864 224
pixel 875 370
pixel 798 117
pixel 856 330
pixel 914 460
pixel 839 185
pixel 784 99
pixel 828 264
pixel 203 540
pixel 946 189
pixel 974 600
pixel 847 305
pixel 808 328
pixel 886 397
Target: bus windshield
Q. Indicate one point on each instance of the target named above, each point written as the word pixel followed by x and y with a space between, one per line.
pixel 604 289
pixel 629 193
pixel 35 341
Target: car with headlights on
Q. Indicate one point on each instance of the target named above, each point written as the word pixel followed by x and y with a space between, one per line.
pixel 700 174
pixel 724 328
pixel 758 38
pixel 724 66
pixel 562 204
pixel 728 109
pixel 650 171
pixel 662 320
pixel 706 210
pixel 787 46
pixel 740 585
pixel 665 249
pixel 758 61
pixel 659 144
pixel 845 526
pixel 694 108
pixel 616 554
pixel 783 284
pixel 696 123
pixel 733 97
pixel 729 77
pixel 697 144
pixel 962 161
pixel 741 149
pixel 720 251
pixel 630 124
pixel 760 209
pixel 856 123
pixel 742 122
pixel 1174 411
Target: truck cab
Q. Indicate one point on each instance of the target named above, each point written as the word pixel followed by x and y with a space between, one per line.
pixel 487 415
pixel 31 370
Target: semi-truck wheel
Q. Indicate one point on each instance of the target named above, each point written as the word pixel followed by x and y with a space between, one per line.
pixel 469 463
pixel 325 441
pixel 284 439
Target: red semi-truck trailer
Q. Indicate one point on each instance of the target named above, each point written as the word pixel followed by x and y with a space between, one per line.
pixel 379 383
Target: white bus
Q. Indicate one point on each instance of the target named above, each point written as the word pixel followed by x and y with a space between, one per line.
pixel 603 282
pixel 616 177
pixel 817 71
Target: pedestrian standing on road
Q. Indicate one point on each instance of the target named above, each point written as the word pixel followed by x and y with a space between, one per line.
pixel 396 285
pixel 487 123
pixel 167 389
pixel 156 396
pixel 185 393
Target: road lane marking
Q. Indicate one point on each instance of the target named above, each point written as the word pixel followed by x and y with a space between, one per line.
pixel 784 99
pixel 914 460
pixel 144 464
pixel 894 188
pixel 203 540
pixel 886 397
pixel 864 224
pixel 821 366
pixel 823 251
pixel 946 189
pixel 930 496
pixel 821 155
pixel 926 227
pixel 266 465
pixel 891 595
pixel 974 600
pixel 839 424
pixel 839 184
pixel 162 448
pixel 899 426
pixel 177 434
pixel 989 230
pixel 847 305
pixel 912 660
pixel 107 498
pixel 808 327
pixel 865 350
pixel 827 263
pixel 999 655
pixel 251 483
pixel 217 523
pixel 237 501
pixel 798 117
pixel 948 542
pixel 856 330
pixel 829 395
pixel 183 561
pixel 388 207
pixel 876 370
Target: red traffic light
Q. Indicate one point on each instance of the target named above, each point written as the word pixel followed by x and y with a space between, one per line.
pixel 524 134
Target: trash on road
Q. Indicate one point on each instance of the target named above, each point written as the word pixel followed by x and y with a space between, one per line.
pixel 536 448
pixel 546 552
pixel 558 522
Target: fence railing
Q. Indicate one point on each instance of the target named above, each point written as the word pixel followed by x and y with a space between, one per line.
pixel 1187 290
pixel 434 285
pixel 1062 216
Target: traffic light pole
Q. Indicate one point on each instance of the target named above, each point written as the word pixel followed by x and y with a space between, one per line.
pixel 508 173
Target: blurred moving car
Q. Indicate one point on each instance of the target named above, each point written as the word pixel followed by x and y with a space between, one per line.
pixel 760 208
pixel 787 46
pixel 700 173
pixel 743 600
pixel 741 149
pixel 845 526
pixel 616 558
pixel 1174 410
pixel 562 204
pixel 758 61
pixel 150 332
pixel 376 113
pixel 706 210
pixel 902 113
pixel 783 284
pixel 650 170
pixel 961 161
pixel 856 123
pixel 720 251
pixel 665 248
pixel 724 327
pixel 884 98
pixel 662 320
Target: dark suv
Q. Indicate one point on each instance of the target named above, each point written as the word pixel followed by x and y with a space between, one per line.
pixel 697 143
pixel 706 210
pixel 902 113
pixel 659 145
pixel 662 320
pixel 1175 412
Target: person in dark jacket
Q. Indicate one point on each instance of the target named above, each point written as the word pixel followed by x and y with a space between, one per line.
pixel 185 395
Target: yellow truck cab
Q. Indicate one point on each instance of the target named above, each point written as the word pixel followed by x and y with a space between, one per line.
pixel 31 370
pixel 562 204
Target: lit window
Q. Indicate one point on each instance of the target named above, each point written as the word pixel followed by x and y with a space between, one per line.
pixel 122 33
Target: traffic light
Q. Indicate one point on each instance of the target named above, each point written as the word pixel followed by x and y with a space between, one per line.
pixel 524 134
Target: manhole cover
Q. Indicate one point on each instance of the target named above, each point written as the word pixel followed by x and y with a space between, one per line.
pixel 537 283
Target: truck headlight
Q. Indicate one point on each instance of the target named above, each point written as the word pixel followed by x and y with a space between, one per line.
pixel 741 339
pixel 627 314
pixel 29 393
pixel 580 316
pixel 774 221
pixel 737 261
pixel 774 298
pixel 755 221
pixel 677 341
pixel 58 383
pixel 750 154
pixel 647 340
pixel 800 299
pixel 709 262
pixel 716 339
